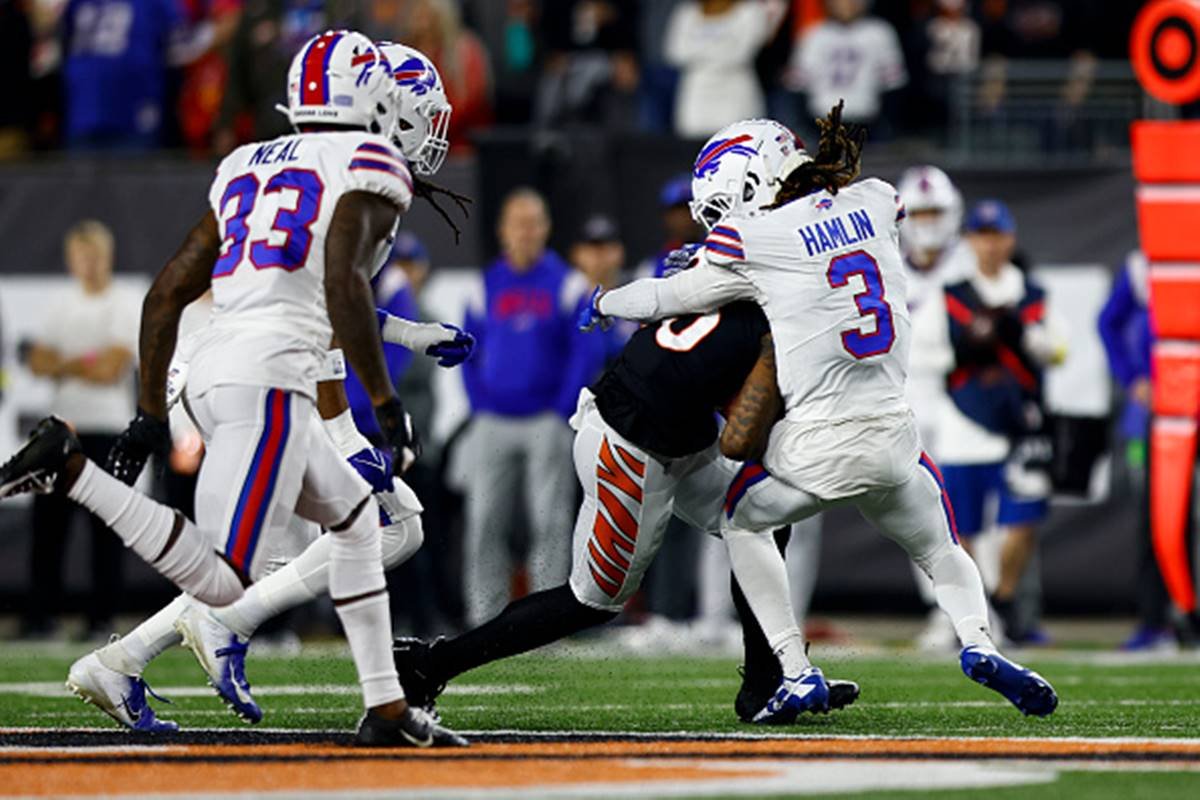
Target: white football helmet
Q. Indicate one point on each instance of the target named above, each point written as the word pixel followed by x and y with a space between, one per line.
pixel 341 78
pixel 424 122
pixel 927 188
pixel 742 167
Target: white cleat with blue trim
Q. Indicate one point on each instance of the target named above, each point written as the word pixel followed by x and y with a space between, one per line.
pixel 121 696
pixel 222 656
pixel 807 692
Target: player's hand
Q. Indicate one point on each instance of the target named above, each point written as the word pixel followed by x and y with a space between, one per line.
pixel 397 427
pixel 375 467
pixel 455 350
pixel 146 436
pixel 681 258
pixel 590 317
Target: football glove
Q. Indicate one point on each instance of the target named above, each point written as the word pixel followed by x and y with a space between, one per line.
pixel 397 427
pixel 146 436
pixel 681 258
pixel 375 467
pixel 590 317
pixel 454 351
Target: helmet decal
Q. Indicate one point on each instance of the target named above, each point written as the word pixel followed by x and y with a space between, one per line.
pixel 414 75
pixel 709 160
pixel 314 81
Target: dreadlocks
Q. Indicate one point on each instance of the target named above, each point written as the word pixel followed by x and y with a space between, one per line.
pixel 429 191
pixel 835 165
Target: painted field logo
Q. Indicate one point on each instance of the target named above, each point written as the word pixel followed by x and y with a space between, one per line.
pixel 709 159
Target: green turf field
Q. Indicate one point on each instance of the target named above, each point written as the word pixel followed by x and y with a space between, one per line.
pixel 903 695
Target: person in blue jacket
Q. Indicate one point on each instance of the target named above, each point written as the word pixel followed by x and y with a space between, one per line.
pixel 1126 332
pixel 523 384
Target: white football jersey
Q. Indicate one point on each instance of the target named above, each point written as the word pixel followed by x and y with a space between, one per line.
pixel 828 273
pixel 273 202
pixel 856 62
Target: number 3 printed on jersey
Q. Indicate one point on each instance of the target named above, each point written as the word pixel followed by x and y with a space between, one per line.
pixel 870 302
pixel 295 223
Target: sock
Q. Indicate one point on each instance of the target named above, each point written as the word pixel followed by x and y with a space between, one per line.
pixel 758 657
pixel 763 579
pixel 959 591
pixel 526 624
pixel 805 563
pixel 356 571
pixel 132 652
pixel 368 627
pixel 147 527
pixel 300 580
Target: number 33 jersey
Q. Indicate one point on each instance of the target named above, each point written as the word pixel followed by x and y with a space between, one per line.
pixel 273 202
pixel 827 271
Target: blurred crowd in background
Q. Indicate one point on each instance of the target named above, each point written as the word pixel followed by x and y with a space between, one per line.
pixel 204 75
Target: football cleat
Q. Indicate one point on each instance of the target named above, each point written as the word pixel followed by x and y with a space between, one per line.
pixel 1024 688
pixel 37 466
pixel 412 665
pixel 808 691
pixel 416 728
pixel 122 697
pixel 222 656
pixel 754 694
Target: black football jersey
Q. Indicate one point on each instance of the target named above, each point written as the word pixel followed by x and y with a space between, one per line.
pixel 663 390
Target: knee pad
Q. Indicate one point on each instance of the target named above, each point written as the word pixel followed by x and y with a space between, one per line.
pixel 356 558
pixel 401 540
pixel 931 554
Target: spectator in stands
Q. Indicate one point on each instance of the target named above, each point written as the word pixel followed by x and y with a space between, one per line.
pixel 590 72
pixel 714 43
pixel 115 72
pixel 657 78
pixel 991 439
pixel 943 50
pixel 211 27
pixel 509 31
pixel 850 56
pixel 523 383
pixel 267 37
pixel 435 28
pixel 87 349
pixel 16 53
pixel 1125 329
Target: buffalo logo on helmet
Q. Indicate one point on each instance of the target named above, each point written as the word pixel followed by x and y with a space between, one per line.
pixel 416 75
pixel 709 160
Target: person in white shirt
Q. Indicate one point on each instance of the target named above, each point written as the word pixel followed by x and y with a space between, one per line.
pixel 714 43
pixel 86 348
pixel 848 56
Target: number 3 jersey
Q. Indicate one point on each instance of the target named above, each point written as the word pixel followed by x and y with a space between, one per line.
pixel 662 391
pixel 828 272
pixel 273 202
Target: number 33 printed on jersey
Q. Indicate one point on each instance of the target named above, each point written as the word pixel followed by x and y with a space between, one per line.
pixel 294 223
pixel 870 302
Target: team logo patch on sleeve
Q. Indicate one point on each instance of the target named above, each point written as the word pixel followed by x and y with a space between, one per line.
pixel 726 241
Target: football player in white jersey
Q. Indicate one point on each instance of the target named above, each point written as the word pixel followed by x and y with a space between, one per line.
pixel 110 678
pixel 936 255
pixel 296 230
pixel 820 253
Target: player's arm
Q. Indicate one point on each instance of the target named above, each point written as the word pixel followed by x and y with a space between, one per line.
pixel 184 278
pixel 360 222
pixel 450 344
pixel 755 409
pixel 698 290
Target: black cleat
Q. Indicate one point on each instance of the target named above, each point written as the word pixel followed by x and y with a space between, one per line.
pixel 758 689
pixel 411 656
pixel 40 464
pixel 415 729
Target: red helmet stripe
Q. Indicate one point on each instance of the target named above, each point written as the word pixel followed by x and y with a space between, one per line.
pixel 745 137
pixel 314 78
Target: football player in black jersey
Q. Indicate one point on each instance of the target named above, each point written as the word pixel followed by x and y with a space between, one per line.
pixel 646 446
